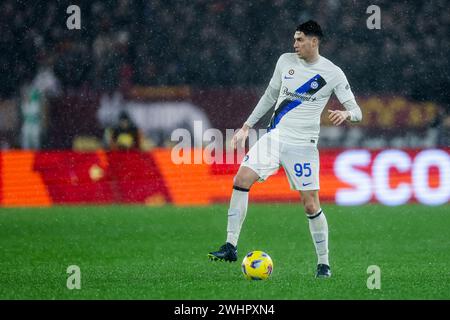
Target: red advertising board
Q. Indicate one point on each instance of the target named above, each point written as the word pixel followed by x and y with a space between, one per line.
pixel 347 177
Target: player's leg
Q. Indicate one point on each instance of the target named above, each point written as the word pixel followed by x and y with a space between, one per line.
pixel 258 164
pixel 301 164
pixel 237 212
pixel 318 227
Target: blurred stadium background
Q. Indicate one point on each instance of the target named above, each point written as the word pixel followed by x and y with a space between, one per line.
pixel 169 63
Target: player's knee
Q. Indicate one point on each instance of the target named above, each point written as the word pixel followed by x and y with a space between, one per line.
pixel 242 181
pixel 310 206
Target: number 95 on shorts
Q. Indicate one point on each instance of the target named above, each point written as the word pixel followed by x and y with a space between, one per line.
pixel 301 164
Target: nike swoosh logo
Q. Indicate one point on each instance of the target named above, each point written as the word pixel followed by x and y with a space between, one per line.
pixel 320 241
pixel 288 77
pixel 306 184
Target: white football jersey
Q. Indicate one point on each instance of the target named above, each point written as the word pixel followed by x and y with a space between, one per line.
pixel 304 90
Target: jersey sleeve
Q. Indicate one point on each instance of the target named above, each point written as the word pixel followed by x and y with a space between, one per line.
pixel 269 98
pixel 355 111
pixel 342 88
pixel 275 81
pixel 265 103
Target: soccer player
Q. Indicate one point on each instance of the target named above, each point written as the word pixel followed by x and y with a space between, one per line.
pixel 301 86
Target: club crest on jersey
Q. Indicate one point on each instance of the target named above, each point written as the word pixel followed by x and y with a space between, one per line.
pixel 314 85
pixel 291 72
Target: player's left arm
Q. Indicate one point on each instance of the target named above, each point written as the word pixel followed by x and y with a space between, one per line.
pixel 352 113
pixel 345 95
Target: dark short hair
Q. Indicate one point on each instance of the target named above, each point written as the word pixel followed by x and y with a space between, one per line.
pixel 311 28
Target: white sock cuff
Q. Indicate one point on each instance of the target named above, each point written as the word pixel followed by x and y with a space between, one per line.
pixel 315 215
pixel 240 189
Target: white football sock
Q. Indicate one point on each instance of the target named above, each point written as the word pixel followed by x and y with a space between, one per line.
pixel 318 227
pixel 236 214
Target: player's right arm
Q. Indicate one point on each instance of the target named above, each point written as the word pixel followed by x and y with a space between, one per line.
pixel 266 102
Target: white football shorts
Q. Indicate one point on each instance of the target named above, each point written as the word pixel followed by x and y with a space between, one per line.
pixel 300 162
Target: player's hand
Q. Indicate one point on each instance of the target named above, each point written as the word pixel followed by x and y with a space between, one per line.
pixel 240 136
pixel 338 116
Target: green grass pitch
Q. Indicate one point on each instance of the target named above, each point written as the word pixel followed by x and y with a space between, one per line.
pixel 137 252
